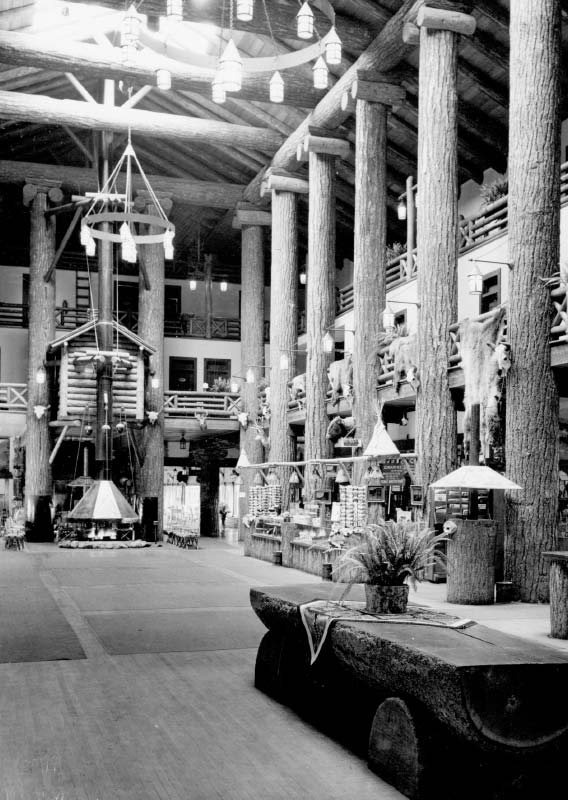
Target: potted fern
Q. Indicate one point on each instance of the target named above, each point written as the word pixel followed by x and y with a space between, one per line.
pixel 389 557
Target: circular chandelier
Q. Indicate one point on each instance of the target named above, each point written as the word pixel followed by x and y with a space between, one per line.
pixel 228 67
pixel 112 208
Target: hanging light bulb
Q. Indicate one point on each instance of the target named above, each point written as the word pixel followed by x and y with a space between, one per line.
pixel 401 209
pixel 333 47
pixel 276 88
pixel 245 10
pixel 328 343
pixel 388 318
pixel 321 73
pixel 303 277
pixel 163 79
pixel 223 286
pixel 168 245
pixel 192 285
pixel 305 20
pixel 218 90
pixel 284 361
pixel 174 10
pixel 231 68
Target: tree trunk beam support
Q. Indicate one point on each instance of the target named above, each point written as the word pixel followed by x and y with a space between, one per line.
pixel 252 352
pixel 251 216
pixel 411 34
pixel 437 237
pixel 471 562
pixel 77 114
pixel 327 145
pixel 41 331
pixel 531 438
pixel 320 306
pixel 558 593
pixel 439 19
pixel 283 326
pixel 369 261
pixel 389 94
pixel 282 183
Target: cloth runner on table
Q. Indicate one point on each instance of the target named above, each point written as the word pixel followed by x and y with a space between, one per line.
pixel 319 615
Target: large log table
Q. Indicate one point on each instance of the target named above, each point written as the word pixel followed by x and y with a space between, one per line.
pixel 440 712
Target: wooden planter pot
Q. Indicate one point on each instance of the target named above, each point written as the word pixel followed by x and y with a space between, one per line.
pixel 386 599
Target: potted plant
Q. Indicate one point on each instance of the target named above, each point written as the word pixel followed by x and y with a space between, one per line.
pixel 389 556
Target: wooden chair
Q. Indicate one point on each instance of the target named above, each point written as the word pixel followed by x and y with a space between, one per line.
pixel 14 535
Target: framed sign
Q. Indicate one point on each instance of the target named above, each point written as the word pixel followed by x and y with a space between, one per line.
pixel 416 495
pixel 376 494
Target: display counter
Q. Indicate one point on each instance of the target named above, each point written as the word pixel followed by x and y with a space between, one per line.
pixel 303 546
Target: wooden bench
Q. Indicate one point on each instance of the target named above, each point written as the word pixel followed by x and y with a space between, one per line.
pixel 440 712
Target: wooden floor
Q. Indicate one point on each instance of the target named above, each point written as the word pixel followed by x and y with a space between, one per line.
pixel 183 725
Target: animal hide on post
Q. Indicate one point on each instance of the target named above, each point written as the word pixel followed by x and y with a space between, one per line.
pixel 340 427
pixel 485 360
pixel 404 352
pixel 340 375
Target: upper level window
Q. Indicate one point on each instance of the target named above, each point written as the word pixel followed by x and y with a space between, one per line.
pixel 491 292
pixel 217 368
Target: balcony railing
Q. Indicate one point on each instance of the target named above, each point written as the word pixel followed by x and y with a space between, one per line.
pixel 13 397
pixel 222 405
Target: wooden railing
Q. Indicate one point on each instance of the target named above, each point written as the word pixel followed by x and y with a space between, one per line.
pixel 13 397
pixel 223 405
pixel 559 330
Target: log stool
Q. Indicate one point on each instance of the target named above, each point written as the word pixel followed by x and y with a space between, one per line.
pixel 558 593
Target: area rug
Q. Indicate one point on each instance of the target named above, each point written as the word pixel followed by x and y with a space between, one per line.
pixel 184 631
pixel 32 628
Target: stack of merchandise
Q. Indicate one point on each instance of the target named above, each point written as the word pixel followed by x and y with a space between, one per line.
pixel 274 498
pixel 255 501
pixel 264 500
pixel 352 507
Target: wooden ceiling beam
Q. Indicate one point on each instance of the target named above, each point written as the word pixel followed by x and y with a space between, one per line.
pixel 80 180
pixel 77 114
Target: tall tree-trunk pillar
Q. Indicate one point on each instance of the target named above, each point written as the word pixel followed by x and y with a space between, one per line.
pixel 252 348
pixel 531 443
pixel 369 247
pixel 283 318
pixel 437 236
pixel 41 330
pixel 320 295
pixel 151 330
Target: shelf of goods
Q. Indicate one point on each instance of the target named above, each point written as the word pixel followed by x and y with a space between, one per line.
pixel 352 507
pixel 264 500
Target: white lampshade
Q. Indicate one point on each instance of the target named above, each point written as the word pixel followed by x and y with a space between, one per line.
pixel 321 73
pixel 245 10
pixel 475 280
pixel 192 285
pixel 303 277
pixel 258 480
pixel 41 375
pixel 234 388
pixel 174 10
pixel 130 27
pixel 223 286
pixel 231 68
pixel 128 251
pixel 249 375
pixel 401 210
pixel 342 476
pixel 155 382
pixel 328 343
pixel 129 54
pixel 276 88
pixel 163 79
pixel 284 361
pixel 272 478
pixel 388 318
pixel 91 247
pixel 305 20
pixel 294 480
pixel 333 47
pixel 217 90
pixel 168 245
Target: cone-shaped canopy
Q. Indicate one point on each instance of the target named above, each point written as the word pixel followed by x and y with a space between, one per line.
pixel 474 478
pixel 243 460
pixel 104 501
pixel 381 443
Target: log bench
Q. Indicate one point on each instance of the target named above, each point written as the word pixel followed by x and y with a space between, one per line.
pixel 439 712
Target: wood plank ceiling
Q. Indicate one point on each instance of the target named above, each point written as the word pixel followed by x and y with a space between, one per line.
pixel 483 107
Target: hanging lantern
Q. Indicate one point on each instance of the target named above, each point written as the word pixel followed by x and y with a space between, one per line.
pixel 342 476
pixel 163 79
pixel 217 90
pixel 235 388
pixel 249 375
pixel 168 245
pixel 128 246
pixel 245 10
pixel 321 73
pixel 130 27
pixel 475 280
pixel 401 209
pixel 174 10
pixel 258 480
pixel 276 88
pixel 305 20
pixel 303 277
pixel 192 285
pixel 129 54
pixel 223 286
pixel 328 343
pixel 294 479
pixel 231 68
pixel 388 318
pixel 41 375
pixel 183 442
pixel 333 47
pixel 284 361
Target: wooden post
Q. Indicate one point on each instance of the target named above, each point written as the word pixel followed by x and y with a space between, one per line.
pixel 41 330
pixel 471 562
pixel 531 438
pixel 437 237
pixel 252 347
pixel 208 282
pixel 151 330
pixel 320 303
pixel 369 249
pixel 558 593
pixel 283 322
pixel 410 227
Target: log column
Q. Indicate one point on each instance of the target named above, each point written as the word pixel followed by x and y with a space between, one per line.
pixel 151 330
pixel 320 294
pixel 437 236
pixel 373 100
pixel 531 438
pixel 41 330
pixel 283 316
pixel 251 223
